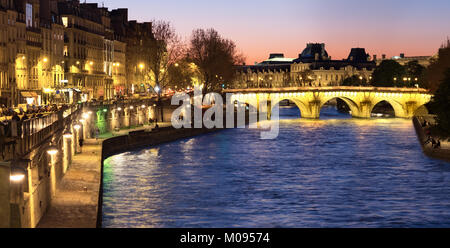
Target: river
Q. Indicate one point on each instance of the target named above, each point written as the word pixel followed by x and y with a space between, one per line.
pixel 332 172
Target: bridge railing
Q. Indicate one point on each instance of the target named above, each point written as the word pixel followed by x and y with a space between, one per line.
pixel 328 88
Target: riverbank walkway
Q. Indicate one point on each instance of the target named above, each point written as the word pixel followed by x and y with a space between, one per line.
pixel 76 201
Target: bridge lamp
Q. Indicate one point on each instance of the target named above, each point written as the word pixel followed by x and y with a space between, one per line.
pixel 143 106
pixel 45 60
pixel 119 109
pixel 77 127
pixel 131 107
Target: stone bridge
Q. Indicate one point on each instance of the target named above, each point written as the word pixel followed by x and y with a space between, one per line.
pixel 360 100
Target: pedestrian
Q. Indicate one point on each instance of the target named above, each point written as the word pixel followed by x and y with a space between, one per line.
pixel 81 142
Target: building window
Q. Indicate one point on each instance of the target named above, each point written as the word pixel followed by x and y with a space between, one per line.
pixel 65 21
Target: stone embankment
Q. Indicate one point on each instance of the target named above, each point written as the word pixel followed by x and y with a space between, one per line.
pixel 78 201
pixel 440 153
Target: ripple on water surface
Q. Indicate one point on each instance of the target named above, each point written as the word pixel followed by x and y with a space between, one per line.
pixel 335 172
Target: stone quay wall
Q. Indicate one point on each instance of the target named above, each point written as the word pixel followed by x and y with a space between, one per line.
pixel 443 154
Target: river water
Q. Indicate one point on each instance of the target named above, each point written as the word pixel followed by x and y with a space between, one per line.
pixel 333 172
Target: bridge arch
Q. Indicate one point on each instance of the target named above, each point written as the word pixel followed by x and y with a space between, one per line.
pixel 350 103
pixel 303 107
pixel 399 110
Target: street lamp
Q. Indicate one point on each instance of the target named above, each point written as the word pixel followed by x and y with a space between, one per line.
pixel 67 135
pixel 52 151
pixel 16 178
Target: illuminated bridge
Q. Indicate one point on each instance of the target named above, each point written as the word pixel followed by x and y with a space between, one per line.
pixel 361 100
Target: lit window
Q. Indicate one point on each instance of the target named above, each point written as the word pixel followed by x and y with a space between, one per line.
pixel 65 21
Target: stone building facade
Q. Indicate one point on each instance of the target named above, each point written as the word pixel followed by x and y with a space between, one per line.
pixel 313 67
pixel 64 51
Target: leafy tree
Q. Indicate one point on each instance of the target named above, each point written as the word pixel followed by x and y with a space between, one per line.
pixel 214 57
pixel 434 74
pixel 306 77
pixel 414 72
pixel 354 80
pixel 389 73
pixel 181 75
pixel 440 105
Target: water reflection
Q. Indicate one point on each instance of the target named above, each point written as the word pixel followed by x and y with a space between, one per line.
pixel 334 172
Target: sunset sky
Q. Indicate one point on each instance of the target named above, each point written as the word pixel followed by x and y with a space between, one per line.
pixel 260 27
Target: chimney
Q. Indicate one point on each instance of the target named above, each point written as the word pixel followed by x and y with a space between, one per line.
pixel 383 56
pixel 402 55
pixel 374 57
pixel 44 10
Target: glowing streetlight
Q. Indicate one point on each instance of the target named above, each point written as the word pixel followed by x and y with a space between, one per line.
pixel 67 135
pixel 141 66
pixel 131 107
pixel 143 106
pixel 45 60
pixel 85 115
pixel 119 109
pixel 16 178
pixel 52 151
pixel 77 127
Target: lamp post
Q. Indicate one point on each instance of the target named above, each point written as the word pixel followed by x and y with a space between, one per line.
pixel 52 151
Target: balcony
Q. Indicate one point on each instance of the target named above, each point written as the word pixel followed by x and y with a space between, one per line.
pixel 34 44
pixel 34 30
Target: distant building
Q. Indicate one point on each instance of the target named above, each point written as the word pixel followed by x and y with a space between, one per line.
pixel 403 60
pixel 313 67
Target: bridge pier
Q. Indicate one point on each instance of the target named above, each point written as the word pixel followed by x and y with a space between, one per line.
pixel 364 110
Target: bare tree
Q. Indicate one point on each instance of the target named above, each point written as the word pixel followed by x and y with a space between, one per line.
pixel 161 53
pixel 215 57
